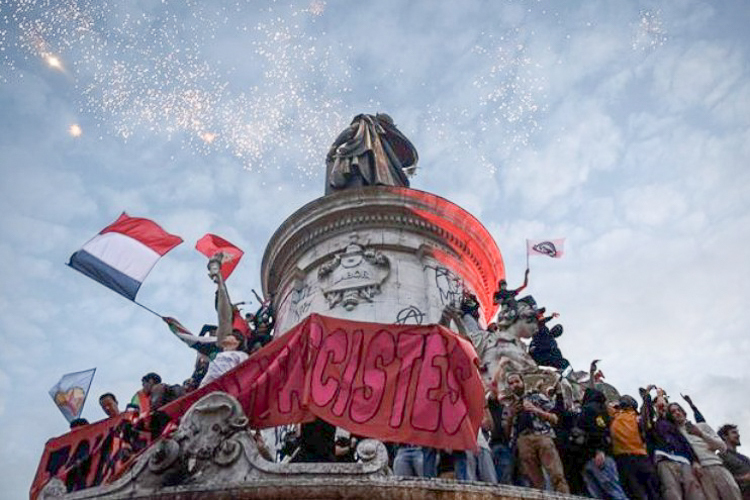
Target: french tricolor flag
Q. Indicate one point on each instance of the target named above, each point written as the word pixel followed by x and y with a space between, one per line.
pixel 123 253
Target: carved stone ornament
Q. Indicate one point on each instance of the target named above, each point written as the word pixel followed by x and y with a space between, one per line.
pixel 213 454
pixel 353 275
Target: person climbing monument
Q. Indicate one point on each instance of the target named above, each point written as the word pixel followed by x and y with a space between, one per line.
pixel 543 348
pixel 506 297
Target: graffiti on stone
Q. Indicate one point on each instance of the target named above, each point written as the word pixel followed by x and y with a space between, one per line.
pixel 449 285
pixel 300 302
pixel 410 316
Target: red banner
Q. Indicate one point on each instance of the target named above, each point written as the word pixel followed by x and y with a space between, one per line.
pixel 90 455
pixel 406 384
pixel 398 383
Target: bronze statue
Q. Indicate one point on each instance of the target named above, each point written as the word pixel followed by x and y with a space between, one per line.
pixel 371 151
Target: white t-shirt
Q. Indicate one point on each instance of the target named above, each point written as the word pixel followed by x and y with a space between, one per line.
pixel 222 363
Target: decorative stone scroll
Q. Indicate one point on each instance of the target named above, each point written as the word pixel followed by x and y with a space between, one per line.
pixel 353 275
pixel 213 454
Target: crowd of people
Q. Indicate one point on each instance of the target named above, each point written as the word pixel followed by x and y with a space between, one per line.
pixel 529 437
pixel 593 448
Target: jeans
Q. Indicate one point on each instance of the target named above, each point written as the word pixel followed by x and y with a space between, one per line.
pixel 463 470
pixel 430 457
pixel 603 482
pixel 502 456
pixel 409 461
pixel 476 466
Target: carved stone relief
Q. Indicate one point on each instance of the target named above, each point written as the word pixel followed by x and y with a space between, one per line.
pixel 353 275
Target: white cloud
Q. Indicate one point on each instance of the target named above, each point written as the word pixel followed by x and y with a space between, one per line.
pixel 588 141
pixel 699 76
pixel 638 157
pixel 653 205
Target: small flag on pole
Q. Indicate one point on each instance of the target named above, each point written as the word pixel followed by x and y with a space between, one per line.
pixel 123 253
pixel 69 394
pixel 211 245
pixel 551 248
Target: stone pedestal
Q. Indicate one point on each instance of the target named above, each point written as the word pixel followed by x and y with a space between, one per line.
pixel 379 254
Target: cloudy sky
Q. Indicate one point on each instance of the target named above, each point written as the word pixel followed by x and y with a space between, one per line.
pixel 622 126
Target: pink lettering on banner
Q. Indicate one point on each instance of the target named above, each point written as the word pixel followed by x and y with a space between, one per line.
pixel 367 399
pixel 409 349
pixel 426 412
pixel 291 377
pixel 352 367
pixel 453 407
pixel 406 384
pixel 332 352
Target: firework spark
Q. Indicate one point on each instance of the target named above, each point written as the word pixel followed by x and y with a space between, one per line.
pixel 273 102
pixel 148 72
pixel 649 31
pixel 75 130
pixel 53 62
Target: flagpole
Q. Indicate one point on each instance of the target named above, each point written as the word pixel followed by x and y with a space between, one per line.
pixel 86 396
pixel 149 310
pixel 131 300
pixel 527 254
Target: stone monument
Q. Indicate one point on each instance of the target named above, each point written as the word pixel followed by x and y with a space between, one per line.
pixel 372 249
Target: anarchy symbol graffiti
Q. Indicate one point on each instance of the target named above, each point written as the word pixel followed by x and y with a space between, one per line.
pixel 410 316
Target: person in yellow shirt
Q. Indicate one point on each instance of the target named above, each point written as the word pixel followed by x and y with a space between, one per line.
pixel 637 473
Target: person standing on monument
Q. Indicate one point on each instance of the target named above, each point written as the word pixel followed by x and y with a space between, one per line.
pixel 600 471
pixel 231 341
pixel 676 463
pixel 108 402
pixel 637 473
pixel 142 398
pixel 737 463
pixel 717 482
pixel 506 297
pixel 531 420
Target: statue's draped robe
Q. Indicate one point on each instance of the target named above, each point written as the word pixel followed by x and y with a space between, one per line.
pixel 370 152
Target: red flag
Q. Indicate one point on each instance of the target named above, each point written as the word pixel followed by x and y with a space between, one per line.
pixel 211 245
pixel 239 323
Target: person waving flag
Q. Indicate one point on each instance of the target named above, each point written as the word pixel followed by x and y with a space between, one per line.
pixel 228 254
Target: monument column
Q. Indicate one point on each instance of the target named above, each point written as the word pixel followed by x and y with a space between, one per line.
pixel 381 254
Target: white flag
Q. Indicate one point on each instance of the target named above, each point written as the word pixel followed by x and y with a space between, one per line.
pixel 69 394
pixel 550 248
